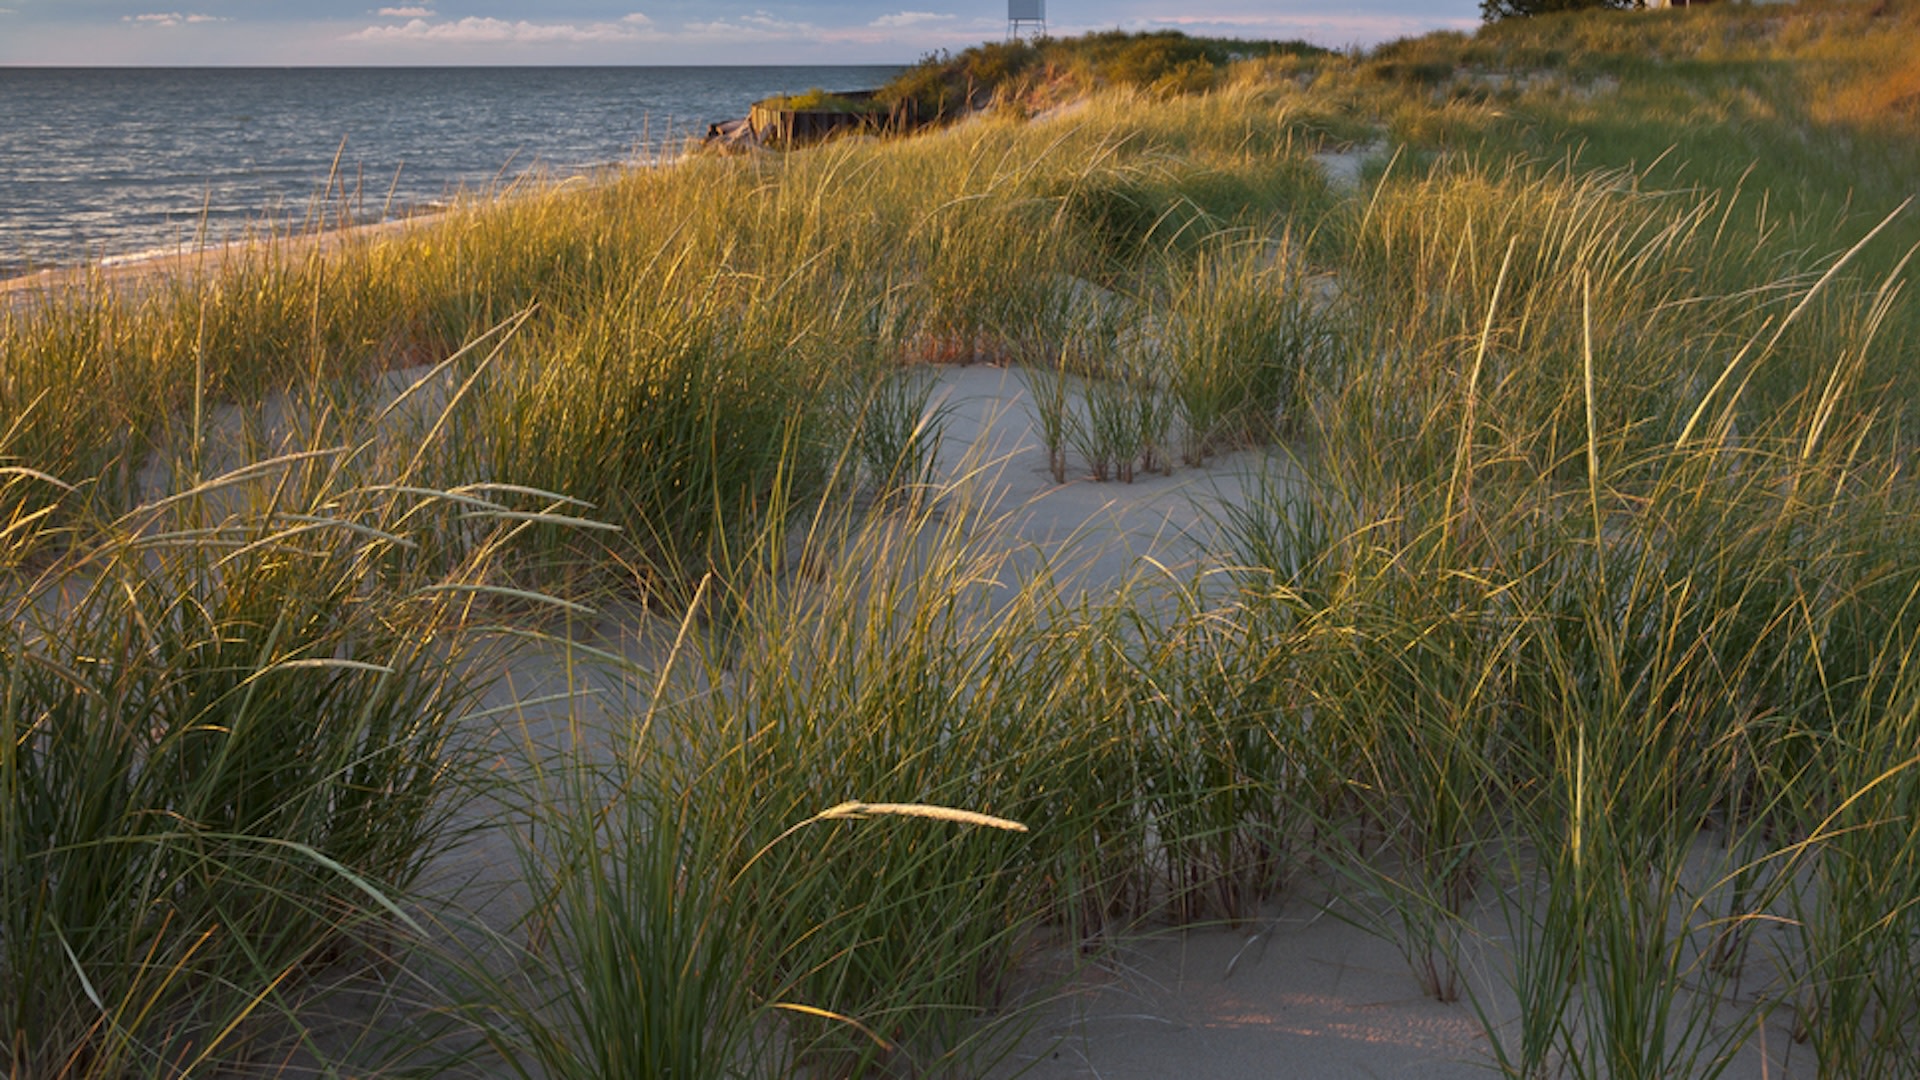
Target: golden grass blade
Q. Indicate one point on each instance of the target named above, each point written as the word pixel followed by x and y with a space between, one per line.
pixel 838 1018
pixel 855 810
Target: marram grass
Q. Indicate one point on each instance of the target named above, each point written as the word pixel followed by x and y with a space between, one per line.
pixel 1585 609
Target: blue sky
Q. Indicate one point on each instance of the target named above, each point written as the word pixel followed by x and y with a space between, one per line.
pixel 275 32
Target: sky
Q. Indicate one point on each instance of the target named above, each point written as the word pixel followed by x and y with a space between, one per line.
pixel 428 32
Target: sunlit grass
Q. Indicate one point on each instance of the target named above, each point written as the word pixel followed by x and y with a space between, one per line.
pixel 1585 610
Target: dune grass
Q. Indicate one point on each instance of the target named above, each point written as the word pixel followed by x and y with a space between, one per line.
pixel 1573 654
pixel 232 742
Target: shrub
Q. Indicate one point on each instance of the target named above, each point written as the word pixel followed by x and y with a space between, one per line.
pixel 1492 10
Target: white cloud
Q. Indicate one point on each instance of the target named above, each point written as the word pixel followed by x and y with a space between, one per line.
pixel 170 18
pixel 487 31
pixel 407 12
pixel 909 18
pixel 760 24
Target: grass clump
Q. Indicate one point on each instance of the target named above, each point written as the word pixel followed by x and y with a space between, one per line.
pixel 230 747
pixel 1240 339
pixel 675 424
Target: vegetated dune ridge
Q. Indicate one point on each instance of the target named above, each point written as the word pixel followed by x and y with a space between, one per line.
pixel 132 274
pixel 615 632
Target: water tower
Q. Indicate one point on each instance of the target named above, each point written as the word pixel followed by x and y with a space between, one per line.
pixel 1026 15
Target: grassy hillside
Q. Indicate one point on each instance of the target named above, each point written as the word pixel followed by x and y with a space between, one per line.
pixel 1800 118
pixel 1027 74
pixel 1593 618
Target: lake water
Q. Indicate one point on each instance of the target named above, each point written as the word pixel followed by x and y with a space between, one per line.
pixel 116 163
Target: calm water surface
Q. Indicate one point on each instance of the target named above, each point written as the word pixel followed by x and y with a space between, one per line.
pixel 115 163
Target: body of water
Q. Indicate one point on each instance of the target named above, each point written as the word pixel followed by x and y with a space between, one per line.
pixel 116 163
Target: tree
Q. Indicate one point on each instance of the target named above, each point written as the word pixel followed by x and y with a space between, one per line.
pixel 1493 10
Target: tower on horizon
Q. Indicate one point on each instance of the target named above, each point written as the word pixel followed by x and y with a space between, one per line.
pixel 1029 16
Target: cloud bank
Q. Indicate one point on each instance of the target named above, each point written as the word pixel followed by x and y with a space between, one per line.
pixel 909 18
pixel 761 24
pixel 169 18
pixel 488 31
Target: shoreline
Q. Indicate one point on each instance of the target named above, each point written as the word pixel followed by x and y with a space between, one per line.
pixel 243 175
pixel 190 263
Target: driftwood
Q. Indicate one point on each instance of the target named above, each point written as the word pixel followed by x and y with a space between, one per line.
pixel 733 133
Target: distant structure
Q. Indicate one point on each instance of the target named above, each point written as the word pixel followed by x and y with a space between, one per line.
pixel 1026 16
